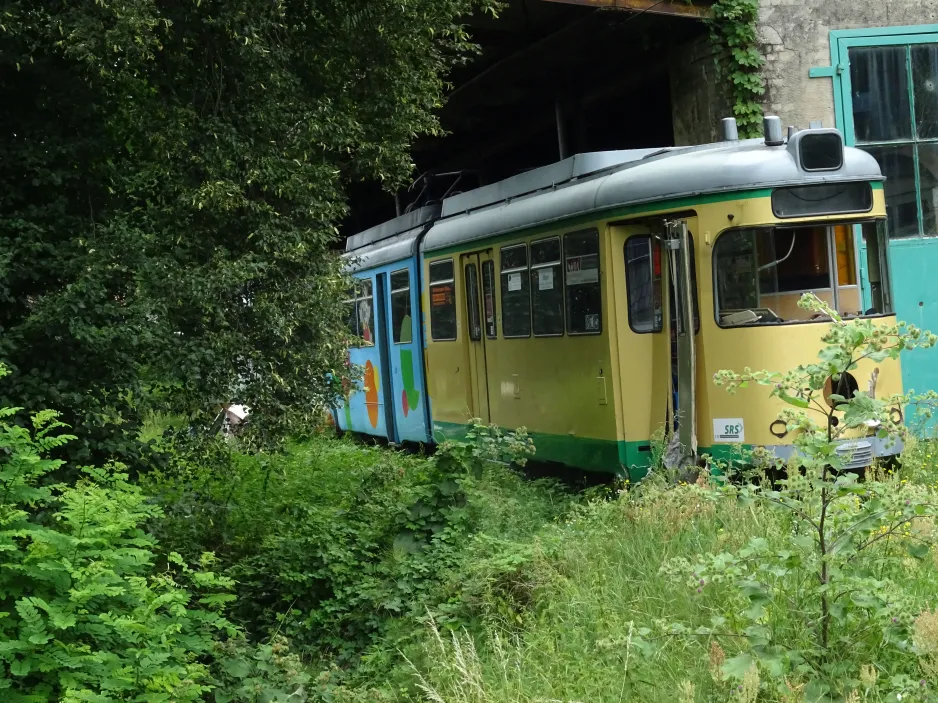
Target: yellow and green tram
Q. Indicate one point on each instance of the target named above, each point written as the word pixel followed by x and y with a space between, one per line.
pixel 591 301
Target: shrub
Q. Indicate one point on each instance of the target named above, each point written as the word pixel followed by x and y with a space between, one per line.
pixel 345 549
pixel 824 596
pixel 85 613
pixel 266 673
pixel 84 616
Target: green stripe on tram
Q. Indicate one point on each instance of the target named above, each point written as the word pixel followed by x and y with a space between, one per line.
pixel 610 213
pixel 596 455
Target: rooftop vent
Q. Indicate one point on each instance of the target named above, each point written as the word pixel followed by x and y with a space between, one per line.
pixel 730 130
pixel 772 129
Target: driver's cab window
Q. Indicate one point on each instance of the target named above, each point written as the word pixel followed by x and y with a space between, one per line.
pixel 760 274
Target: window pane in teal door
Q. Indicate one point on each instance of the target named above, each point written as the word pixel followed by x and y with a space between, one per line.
pixel 880 94
pixel 928 182
pixel 925 86
pixel 898 166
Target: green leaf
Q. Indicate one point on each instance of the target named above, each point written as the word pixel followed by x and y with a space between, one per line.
pixel 865 600
pixel 919 550
pixel 791 400
pixel 737 667
pixel 773 665
pixel 817 691
pixel 237 667
pixel 19 667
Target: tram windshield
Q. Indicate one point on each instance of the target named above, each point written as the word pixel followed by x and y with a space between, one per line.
pixel 760 274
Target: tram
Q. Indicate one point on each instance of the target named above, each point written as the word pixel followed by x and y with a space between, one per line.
pixel 592 300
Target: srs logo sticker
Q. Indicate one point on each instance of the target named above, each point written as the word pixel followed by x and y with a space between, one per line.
pixel 729 430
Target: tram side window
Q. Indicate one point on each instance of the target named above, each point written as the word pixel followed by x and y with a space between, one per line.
pixel 351 313
pixel 442 301
pixel 643 279
pixel 547 288
pixel 516 294
pixel 584 295
pixel 761 274
pixel 360 312
pixel 366 312
pixel 488 298
pixel 877 269
pixel 472 302
pixel 401 322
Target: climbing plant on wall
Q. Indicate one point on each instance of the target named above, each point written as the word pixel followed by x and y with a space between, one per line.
pixel 733 32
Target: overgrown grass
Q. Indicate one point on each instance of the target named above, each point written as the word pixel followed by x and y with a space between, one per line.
pixel 593 631
pixel 503 590
pixel 599 622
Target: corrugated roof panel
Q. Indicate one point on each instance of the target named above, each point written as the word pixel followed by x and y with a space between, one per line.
pixel 537 179
pixel 385 251
pixel 403 223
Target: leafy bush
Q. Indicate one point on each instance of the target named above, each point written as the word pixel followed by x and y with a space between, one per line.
pixel 187 166
pixel 266 673
pixel 345 549
pixel 84 615
pixel 825 597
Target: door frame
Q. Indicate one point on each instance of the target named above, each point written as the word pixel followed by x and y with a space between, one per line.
pixel 477 349
pixel 678 247
pixel 841 41
pixel 382 301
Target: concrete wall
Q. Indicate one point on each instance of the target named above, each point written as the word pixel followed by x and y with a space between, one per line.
pixel 795 36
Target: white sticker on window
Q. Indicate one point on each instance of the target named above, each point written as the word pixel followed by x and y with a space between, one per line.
pixel 545 279
pixel 582 269
pixel 729 430
pixel 514 281
pixel 592 322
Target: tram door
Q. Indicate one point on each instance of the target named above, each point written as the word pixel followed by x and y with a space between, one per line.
pixel 385 382
pixel 680 292
pixel 479 275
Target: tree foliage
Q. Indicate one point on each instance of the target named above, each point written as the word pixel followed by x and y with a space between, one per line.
pixel 171 175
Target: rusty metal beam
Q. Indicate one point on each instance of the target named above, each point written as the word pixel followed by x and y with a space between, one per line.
pixel 656 7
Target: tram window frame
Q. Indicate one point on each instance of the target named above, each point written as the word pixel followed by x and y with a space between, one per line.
pixel 525 290
pixel 876 237
pixel 450 306
pixel 556 266
pixel 408 307
pixel 657 311
pixel 833 272
pixel 568 298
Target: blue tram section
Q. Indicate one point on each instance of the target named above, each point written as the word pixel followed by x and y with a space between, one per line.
pixel 390 399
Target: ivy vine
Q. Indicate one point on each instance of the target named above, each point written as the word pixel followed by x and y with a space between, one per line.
pixel 733 31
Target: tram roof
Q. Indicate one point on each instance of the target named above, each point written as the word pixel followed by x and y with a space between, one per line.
pixel 390 241
pixel 600 181
pixel 668 174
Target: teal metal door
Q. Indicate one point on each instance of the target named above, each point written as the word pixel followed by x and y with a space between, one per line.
pixel 886 101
